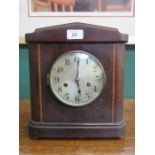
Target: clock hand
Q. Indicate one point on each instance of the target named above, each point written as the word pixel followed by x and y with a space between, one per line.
pixel 79 91
pixel 77 77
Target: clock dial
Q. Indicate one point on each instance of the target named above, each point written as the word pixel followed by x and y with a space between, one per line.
pixel 77 78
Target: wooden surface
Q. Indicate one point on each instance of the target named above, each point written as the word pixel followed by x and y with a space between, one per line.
pixel 74 146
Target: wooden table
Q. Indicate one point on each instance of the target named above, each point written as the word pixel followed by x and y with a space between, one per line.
pixel 74 146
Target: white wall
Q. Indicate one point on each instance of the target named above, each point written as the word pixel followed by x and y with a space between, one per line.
pixel 28 24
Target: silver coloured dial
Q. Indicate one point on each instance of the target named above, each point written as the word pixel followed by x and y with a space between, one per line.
pixel 77 78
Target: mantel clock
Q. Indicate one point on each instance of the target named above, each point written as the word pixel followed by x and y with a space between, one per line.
pixel 76 76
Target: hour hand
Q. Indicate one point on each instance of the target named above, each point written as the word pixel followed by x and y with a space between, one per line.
pixel 79 91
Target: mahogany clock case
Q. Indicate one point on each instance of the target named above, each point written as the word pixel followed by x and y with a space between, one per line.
pixel 103 118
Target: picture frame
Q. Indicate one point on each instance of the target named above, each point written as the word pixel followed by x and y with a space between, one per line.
pixel 76 8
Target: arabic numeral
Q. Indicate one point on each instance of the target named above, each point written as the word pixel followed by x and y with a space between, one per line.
pixel 67 62
pixel 77 99
pixel 56 79
pixel 94 67
pixel 87 96
pixel 60 69
pixel 59 89
pixel 74 34
pixel 87 61
pixel 76 59
pixel 95 89
pixel 97 79
pixel 66 96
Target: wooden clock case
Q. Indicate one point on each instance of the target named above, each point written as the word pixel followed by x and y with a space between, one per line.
pixel 101 119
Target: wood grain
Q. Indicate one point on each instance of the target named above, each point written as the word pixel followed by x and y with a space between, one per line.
pixel 75 146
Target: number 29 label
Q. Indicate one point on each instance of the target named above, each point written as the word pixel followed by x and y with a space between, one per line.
pixel 75 34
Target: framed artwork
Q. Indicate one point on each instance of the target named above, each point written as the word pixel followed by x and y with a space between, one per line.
pixel 113 8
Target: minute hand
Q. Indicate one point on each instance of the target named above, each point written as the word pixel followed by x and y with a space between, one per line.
pixel 77 77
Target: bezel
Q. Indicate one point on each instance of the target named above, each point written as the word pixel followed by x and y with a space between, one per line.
pixel 60 98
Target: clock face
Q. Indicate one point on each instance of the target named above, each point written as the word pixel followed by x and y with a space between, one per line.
pixel 77 78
